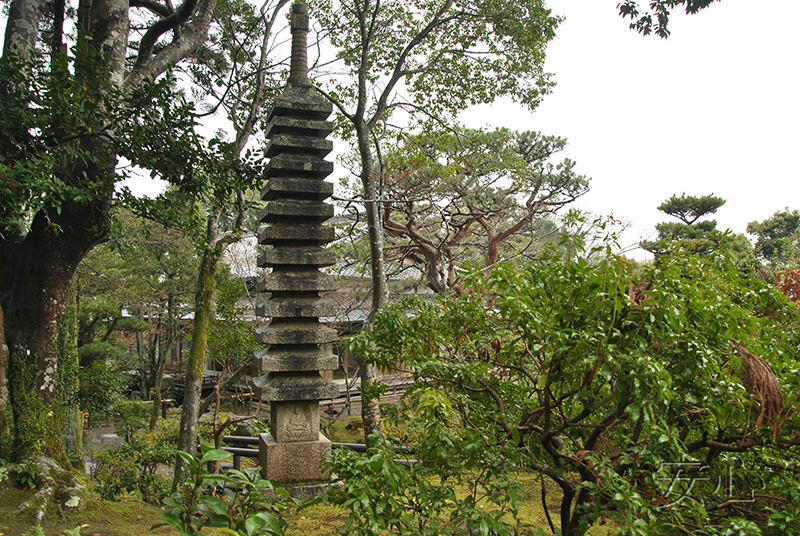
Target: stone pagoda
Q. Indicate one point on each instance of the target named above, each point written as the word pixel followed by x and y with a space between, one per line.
pixel 295 193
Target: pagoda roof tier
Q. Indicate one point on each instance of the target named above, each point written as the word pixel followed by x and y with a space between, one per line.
pixel 288 386
pixel 295 360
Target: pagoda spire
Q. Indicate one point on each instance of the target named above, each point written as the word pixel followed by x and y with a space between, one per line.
pixel 297 343
pixel 298 70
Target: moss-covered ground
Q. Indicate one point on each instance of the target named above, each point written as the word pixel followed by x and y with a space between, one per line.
pixel 132 517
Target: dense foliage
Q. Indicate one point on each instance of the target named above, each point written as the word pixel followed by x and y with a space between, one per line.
pixel 241 507
pixel 663 396
pixel 777 237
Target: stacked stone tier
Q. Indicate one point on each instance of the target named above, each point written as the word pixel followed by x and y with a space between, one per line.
pixel 296 360
pixel 294 450
pixel 295 331
pixel 309 146
pixel 297 188
pixel 293 125
pixel 291 386
pixel 288 281
pixel 295 234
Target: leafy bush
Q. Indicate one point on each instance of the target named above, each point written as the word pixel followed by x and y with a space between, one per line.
pixel 133 466
pixel 455 486
pixel 98 388
pixel 5 469
pixel 241 509
pixel 641 392
pixel 129 416
pixel 25 474
pixel 103 351
pixel 167 430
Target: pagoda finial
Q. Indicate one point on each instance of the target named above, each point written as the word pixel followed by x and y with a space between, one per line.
pixel 298 73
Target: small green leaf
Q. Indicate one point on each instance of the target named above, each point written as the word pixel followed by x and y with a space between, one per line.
pixel 214 455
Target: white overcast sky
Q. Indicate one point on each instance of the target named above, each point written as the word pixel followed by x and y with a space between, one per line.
pixel 713 108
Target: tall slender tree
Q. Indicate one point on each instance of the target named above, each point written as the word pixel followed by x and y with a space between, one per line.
pixel 252 81
pixel 429 59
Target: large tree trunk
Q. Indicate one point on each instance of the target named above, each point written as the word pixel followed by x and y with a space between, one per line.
pixel 37 266
pixel 22 27
pixel 33 302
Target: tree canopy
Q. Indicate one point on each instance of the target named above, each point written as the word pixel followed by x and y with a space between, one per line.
pixel 461 195
pixel 777 236
pixel 655 18
pixel 688 209
pixel 430 60
pixel 78 89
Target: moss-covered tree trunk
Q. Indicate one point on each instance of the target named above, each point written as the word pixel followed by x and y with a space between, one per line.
pixel 39 256
pixel 6 432
pixel 44 264
pixel 71 418
pixel 37 265
pixel 187 438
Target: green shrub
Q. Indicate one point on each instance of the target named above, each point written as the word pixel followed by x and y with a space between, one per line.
pixel 167 430
pixel 99 388
pixel 456 486
pixel 5 468
pixel 133 467
pixel 657 395
pixel 129 417
pixel 25 474
pixel 241 509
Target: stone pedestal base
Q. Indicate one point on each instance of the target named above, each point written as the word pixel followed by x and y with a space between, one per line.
pixel 293 462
